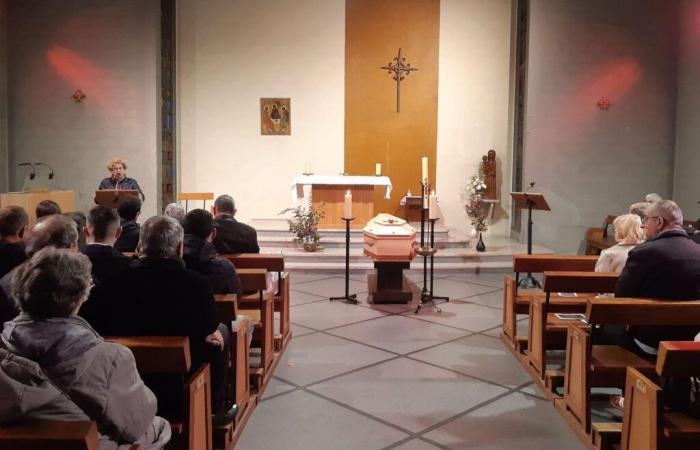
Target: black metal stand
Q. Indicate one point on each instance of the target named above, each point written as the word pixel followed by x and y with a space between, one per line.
pixel 347 297
pixel 529 282
pixel 427 294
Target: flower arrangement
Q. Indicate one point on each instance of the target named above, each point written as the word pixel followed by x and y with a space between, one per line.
pixel 304 224
pixel 475 194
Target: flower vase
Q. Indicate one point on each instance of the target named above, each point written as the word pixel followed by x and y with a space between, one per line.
pixel 480 246
pixel 310 246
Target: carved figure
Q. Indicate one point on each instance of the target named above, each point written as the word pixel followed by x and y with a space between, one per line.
pixel 488 168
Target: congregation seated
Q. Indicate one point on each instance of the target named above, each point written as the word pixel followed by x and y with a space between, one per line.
pixel 232 236
pixel 54 366
pixel 628 233
pixel 47 208
pixel 13 224
pixel 80 221
pixel 53 231
pixel 158 296
pixel 175 210
pixel 129 209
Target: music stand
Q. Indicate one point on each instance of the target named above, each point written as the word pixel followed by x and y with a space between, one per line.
pixel 109 198
pixel 529 200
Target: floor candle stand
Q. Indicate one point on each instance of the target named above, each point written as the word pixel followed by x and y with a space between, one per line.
pixel 348 298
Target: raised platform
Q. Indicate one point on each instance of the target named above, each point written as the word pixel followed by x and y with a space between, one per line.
pixel 454 249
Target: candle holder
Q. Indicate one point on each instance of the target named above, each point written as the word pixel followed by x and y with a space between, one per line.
pixel 307 173
pixel 427 295
pixel 348 298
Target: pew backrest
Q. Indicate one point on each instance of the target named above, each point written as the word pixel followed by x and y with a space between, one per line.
pixel 579 281
pixel 50 435
pixel 542 263
pixel 637 311
pixel 253 279
pixel 270 262
pixel 678 359
pixel 158 354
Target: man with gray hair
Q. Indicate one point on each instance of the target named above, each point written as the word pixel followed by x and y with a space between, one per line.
pixel 175 210
pixel 232 236
pixel 158 296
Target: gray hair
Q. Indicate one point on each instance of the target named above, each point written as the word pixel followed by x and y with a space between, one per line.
pixel 175 210
pixel 652 198
pixel 224 203
pixel 160 237
pixel 667 210
pixel 53 231
pixel 52 283
pixel 638 209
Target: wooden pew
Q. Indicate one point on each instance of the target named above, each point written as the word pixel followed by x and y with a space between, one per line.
pixel 517 301
pixel 271 263
pixel 646 425
pixel 548 332
pixel 51 435
pixel 589 366
pixel 170 355
pixel 258 307
pixel 597 239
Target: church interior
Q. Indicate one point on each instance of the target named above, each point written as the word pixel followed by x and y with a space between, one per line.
pixel 451 204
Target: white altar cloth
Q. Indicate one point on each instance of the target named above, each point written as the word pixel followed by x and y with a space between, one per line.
pixel 306 180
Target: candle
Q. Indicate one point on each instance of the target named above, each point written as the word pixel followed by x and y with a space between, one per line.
pixel 347 211
pixel 307 168
pixel 424 170
pixel 378 169
pixel 432 208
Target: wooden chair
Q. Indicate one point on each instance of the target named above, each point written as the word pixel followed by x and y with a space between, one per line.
pixel 548 332
pixel 271 263
pixel 589 366
pixel 170 355
pixel 202 196
pixel 597 239
pixel 51 435
pixel 517 301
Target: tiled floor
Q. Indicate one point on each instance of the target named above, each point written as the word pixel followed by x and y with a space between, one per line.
pixel 381 377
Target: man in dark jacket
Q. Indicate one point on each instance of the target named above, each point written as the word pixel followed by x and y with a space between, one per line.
pixel 232 236
pixel 666 266
pixel 200 255
pixel 13 223
pixel 129 209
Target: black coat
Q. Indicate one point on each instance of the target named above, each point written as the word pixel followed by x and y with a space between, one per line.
pixel 11 256
pixel 129 238
pixel 201 257
pixel 666 267
pixel 233 236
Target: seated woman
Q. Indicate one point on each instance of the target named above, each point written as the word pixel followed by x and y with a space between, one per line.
pixel 53 365
pixel 117 178
pixel 628 233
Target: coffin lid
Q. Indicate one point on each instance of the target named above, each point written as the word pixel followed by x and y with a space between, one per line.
pixel 384 224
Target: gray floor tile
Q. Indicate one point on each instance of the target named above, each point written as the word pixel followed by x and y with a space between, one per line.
pixel 331 287
pixel 303 421
pixel 516 421
pixel 408 393
pixel 521 327
pixel 416 444
pixel 480 356
pixel 305 277
pixel 392 308
pixel 533 390
pixel 456 289
pixel 327 314
pixel 276 387
pixel 486 278
pixel 493 299
pixel 398 333
pixel 467 316
pixel 298 330
pixel 317 356
pixel 300 298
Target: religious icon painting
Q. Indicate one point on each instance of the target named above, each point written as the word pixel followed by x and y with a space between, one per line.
pixel 275 116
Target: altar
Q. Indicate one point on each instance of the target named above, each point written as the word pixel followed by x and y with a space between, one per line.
pixel 331 189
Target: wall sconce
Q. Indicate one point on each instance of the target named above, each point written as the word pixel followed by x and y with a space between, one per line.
pixel 603 103
pixel 78 96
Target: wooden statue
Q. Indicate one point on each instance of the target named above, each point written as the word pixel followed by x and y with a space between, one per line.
pixel 488 168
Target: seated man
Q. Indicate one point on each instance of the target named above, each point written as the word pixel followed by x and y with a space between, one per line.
pixel 232 236
pixel 101 231
pixel 47 208
pixel 54 366
pixel 129 209
pixel 158 296
pixel 175 210
pixel 80 220
pixel 13 223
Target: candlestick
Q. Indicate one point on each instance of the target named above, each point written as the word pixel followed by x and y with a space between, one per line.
pixel 378 169
pixel 347 211
pixel 424 169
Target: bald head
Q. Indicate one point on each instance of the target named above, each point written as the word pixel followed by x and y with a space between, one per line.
pixel 53 231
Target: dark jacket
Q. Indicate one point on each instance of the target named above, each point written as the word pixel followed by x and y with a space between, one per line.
pixel 129 238
pixel 41 358
pixel 8 308
pixel 200 256
pixel 126 183
pixel 11 256
pixel 666 267
pixel 233 236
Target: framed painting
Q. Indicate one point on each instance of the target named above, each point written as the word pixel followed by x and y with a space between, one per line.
pixel 275 116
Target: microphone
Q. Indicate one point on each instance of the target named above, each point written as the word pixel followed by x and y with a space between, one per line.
pixel 31 175
pixel 46 165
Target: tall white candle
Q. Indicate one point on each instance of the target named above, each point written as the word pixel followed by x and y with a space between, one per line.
pixel 432 206
pixel 307 167
pixel 378 169
pixel 424 170
pixel 347 211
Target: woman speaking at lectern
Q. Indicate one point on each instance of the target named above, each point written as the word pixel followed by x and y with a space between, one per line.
pixel 118 179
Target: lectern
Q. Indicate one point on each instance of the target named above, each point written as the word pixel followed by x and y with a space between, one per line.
pixel 109 198
pixel 529 200
pixel 28 200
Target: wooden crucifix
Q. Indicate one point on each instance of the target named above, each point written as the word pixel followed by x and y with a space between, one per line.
pixel 399 69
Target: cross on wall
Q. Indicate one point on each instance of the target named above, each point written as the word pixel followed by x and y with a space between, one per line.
pixel 399 68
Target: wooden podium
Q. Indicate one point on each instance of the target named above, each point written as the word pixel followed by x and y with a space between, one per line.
pixel 109 198
pixel 529 201
pixel 28 200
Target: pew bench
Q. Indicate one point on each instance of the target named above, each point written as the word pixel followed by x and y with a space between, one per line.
pixel 598 239
pixel 51 435
pixel 517 301
pixel 591 365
